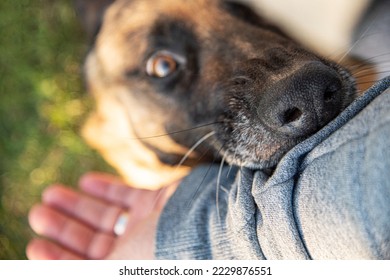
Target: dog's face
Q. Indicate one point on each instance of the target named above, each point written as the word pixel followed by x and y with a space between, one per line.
pixel 168 74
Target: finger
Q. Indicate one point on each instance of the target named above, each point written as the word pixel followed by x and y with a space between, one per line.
pixel 113 190
pixel 41 249
pixel 94 212
pixel 105 186
pixel 69 233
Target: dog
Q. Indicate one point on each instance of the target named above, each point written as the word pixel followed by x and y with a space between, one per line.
pixel 179 83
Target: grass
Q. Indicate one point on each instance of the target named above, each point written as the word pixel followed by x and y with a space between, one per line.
pixel 42 105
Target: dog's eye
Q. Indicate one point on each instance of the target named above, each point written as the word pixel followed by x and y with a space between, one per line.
pixel 162 64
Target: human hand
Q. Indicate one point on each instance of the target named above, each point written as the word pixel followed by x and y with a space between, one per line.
pixel 80 225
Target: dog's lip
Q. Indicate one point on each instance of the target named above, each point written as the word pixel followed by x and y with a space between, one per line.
pixel 232 154
pixel 256 164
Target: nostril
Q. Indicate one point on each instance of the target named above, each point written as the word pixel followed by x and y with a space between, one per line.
pixel 241 81
pixel 291 115
pixel 331 92
pixel 328 96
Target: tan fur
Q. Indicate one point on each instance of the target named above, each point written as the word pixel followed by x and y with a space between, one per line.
pixel 109 131
pixel 109 128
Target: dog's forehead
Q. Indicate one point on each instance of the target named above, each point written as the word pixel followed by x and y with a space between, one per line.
pixel 127 24
pixel 133 14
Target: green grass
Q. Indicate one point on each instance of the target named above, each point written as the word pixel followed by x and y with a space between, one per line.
pixel 42 106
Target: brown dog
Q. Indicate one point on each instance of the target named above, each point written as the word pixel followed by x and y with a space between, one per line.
pixel 179 82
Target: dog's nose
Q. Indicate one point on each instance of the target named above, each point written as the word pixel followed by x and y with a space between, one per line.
pixel 303 102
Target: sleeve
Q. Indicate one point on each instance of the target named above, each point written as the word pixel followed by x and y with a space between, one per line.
pixel 193 223
pixel 342 197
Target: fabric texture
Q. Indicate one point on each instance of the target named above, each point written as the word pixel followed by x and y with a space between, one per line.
pixel 329 197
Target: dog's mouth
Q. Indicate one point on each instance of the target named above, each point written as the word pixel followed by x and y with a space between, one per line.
pixel 257 132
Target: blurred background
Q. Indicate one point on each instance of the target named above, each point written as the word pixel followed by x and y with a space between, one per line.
pixel 43 101
pixel 42 105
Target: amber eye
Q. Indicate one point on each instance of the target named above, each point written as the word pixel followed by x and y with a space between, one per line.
pixel 162 64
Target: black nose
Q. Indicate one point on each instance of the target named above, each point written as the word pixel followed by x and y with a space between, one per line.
pixel 303 102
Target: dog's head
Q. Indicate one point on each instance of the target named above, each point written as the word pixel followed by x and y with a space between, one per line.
pixel 169 74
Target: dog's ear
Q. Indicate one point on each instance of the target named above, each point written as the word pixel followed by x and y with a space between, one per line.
pixel 247 12
pixel 242 11
pixel 90 13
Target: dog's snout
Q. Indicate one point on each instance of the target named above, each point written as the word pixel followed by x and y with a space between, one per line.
pixel 303 102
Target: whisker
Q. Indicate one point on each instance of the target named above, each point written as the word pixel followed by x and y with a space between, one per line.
pixel 370 65
pixel 172 133
pixel 367 75
pixel 208 135
pixel 122 100
pixel 375 58
pixel 189 204
pixel 231 165
pixel 361 65
pixel 341 50
pixel 217 187
pixel 224 189
pixel 357 41
pixel 200 141
pixel 360 70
